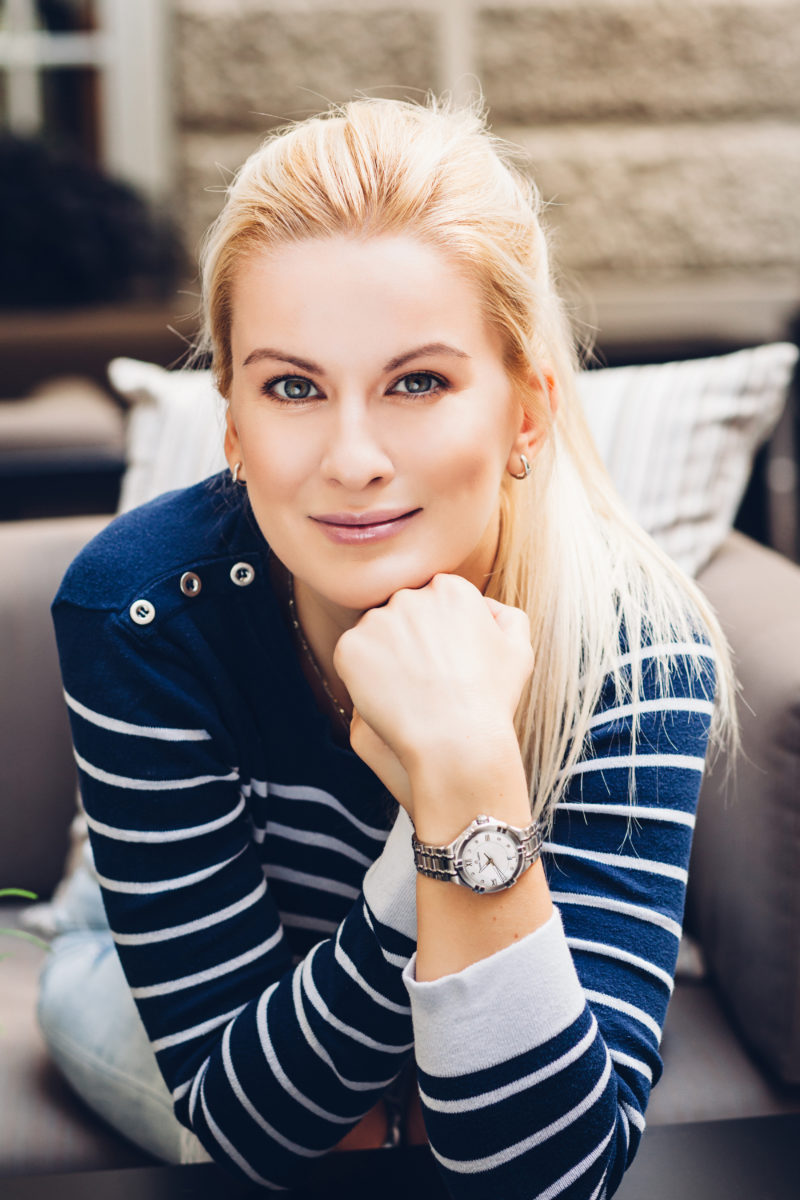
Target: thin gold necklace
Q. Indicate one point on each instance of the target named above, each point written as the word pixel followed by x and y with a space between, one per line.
pixel 309 654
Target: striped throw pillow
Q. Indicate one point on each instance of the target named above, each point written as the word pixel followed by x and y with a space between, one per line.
pixel 679 439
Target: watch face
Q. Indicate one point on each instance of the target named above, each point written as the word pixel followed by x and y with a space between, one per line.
pixel 489 860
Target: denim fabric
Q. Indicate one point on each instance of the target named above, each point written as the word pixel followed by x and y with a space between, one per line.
pixel 94 1033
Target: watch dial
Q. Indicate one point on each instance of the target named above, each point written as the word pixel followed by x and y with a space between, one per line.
pixel 489 860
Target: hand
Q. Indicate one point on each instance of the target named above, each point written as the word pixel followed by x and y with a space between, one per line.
pixel 435 676
pixel 382 760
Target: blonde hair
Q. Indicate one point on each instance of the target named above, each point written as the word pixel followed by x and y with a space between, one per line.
pixel 569 554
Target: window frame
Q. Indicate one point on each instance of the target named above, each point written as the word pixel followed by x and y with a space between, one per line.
pixel 129 50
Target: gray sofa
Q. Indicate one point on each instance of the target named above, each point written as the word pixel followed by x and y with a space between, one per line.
pixel 732 1040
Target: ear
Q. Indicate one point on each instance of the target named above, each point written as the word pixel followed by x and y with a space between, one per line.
pixel 534 427
pixel 231 444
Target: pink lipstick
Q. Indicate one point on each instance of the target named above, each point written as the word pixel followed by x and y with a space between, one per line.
pixel 358 528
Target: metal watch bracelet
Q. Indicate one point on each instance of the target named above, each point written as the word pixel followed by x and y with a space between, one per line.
pixel 441 862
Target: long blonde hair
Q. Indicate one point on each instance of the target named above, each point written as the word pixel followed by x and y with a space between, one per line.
pixel 569 553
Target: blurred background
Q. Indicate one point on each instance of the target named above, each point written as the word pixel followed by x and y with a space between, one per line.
pixel 665 136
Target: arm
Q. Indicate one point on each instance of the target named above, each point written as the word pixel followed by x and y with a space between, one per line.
pixel 536 1056
pixel 270 1064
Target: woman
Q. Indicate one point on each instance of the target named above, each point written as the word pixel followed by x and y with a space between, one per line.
pixel 411 641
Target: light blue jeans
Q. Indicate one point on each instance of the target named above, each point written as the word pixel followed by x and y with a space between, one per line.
pixel 93 1030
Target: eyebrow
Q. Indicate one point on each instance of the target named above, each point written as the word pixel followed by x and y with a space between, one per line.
pixel 305 365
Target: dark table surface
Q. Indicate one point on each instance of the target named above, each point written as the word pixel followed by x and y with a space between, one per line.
pixel 756 1159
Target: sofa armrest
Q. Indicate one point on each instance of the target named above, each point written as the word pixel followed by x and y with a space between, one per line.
pixel 37 773
pixel 744 901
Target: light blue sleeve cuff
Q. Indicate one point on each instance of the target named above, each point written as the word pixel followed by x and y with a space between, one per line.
pixel 515 1000
pixel 390 884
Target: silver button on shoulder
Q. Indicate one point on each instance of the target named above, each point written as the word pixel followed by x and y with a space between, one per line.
pixel 142 612
pixel 191 583
pixel 242 574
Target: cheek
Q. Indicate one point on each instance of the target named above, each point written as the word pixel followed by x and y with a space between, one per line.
pixel 276 463
pixel 472 469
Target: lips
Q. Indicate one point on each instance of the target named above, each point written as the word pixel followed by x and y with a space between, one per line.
pixel 376 517
pixel 355 528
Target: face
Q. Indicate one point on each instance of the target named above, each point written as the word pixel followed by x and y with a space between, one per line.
pixel 372 414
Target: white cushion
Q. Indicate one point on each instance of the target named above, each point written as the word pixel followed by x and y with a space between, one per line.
pixel 678 438
pixel 176 427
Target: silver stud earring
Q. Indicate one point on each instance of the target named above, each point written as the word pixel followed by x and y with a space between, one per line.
pixel 526 469
pixel 235 472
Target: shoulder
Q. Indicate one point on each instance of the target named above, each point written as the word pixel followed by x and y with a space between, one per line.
pixel 175 533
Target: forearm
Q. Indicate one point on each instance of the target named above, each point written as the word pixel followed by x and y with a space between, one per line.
pixel 455 926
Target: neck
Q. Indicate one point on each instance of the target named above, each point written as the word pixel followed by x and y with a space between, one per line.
pixel 321 626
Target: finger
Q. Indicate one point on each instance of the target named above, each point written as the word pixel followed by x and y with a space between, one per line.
pixel 511 620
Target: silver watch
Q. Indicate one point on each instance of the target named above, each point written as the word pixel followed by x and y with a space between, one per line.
pixel 488 856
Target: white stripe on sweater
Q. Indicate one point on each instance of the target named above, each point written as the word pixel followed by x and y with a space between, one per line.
pixel 672 649
pixel 309 837
pixel 638 911
pixel 667 704
pixel 349 967
pixel 161 836
pixel 159 733
pixel 598 1189
pixel 363 1039
pixel 188 1035
pixel 354 1085
pixel 624 1006
pixel 607 951
pixel 317 796
pixel 634 812
pixel 173 931
pixel 196 1085
pixel 395 960
pixel 231 1150
pixel 569 1177
pixel 474 1166
pixel 626 861
pixel 482 1099
pixel 149 785
pixel 180 1091
pixel 304 879
pixel 687 762
pixel 635 1064
pixel 626 1127
pixel 252 1111
pixel 224 968
pixel 277 1070
pixel 634 1116
pixel 166 885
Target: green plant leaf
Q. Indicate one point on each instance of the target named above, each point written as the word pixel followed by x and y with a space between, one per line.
pixel 26 937
pixel 20 933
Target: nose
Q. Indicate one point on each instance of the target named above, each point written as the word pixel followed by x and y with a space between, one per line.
pixel 354 455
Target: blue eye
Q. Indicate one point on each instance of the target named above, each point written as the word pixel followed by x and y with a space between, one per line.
pixel 419 383
pixel 291 387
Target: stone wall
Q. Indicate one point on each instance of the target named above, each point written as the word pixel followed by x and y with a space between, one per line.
pixel 666 134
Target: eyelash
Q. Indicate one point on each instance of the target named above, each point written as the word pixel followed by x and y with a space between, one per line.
pixel 268 389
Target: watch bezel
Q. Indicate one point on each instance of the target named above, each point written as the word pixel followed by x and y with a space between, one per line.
pixel 473 831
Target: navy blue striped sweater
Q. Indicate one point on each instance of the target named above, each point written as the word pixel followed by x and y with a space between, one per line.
pixel 261 889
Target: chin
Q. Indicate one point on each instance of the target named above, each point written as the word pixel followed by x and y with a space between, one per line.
pixel 360 595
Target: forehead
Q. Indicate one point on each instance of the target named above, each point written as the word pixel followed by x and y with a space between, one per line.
pixel 348 294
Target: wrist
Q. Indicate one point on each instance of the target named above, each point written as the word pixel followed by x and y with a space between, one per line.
pixel 448 794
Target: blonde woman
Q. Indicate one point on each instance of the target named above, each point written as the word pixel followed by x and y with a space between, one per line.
pixel 390 738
